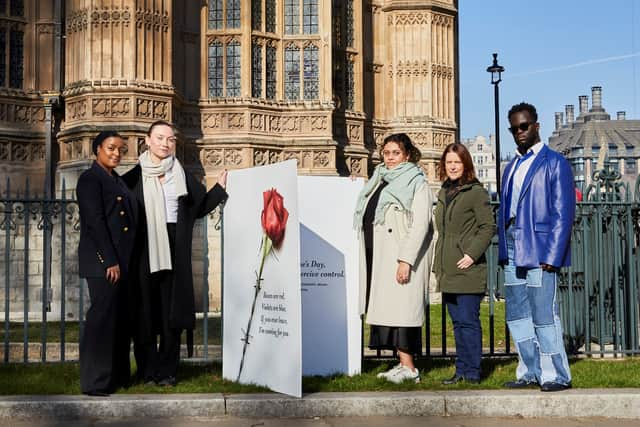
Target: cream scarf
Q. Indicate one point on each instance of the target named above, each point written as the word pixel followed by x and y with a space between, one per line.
pixel 155 211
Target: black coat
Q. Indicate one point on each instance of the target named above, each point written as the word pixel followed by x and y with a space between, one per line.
pixel 196 204
pixel 108 218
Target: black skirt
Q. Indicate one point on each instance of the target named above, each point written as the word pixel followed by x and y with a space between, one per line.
pixel 406 339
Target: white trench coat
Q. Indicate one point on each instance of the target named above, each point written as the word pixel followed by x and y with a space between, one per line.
pixel 399 238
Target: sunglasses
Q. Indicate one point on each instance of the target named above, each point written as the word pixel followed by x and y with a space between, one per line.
pixel 522 126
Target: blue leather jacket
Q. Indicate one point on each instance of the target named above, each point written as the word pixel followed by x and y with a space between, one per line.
pixel 545 214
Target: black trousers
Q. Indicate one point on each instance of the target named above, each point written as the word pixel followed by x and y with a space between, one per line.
pixel 160 361
pixel 105 342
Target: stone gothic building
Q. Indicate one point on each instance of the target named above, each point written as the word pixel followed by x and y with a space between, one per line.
pixel 593 136
pixel 247 82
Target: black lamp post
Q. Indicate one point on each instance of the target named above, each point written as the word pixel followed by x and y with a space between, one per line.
pixel 496 77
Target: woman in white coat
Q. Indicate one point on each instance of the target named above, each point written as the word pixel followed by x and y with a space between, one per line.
pixel 394 215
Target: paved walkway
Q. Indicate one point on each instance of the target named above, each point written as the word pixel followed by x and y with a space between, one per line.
pixel 577 403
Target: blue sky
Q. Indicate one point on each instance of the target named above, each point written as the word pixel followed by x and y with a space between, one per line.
pixel 531 36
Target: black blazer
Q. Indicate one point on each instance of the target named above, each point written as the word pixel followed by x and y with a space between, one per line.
pixel 196 204
pixel 108 218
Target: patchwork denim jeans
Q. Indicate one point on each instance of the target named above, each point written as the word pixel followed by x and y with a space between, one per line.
pixel 534 322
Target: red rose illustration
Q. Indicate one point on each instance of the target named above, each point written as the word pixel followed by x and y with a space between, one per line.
pixel 274 222
pixel 274 217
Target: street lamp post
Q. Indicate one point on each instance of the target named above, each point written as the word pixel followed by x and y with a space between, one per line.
pixel 496 77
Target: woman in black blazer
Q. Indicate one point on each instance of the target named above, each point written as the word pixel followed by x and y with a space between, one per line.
pixel 107 235
pixel 170 200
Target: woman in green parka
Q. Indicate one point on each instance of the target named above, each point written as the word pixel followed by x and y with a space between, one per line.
pixel 465 224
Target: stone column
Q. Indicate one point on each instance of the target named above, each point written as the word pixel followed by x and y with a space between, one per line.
pixel 418 53
pixel 118 76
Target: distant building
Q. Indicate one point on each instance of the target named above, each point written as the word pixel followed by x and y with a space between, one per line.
pixel 587 139
pixel 482 152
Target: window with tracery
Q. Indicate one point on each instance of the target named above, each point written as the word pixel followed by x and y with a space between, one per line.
pixel 16 55
pixel 350 85
pixel 3 56
pixel 233 69
pixel 303 85
pixel 224 14
pixel 17 7
pixel 310 17
pixel 311 72
pixel 292 72
pixel 263 20
pixel 271 72
pixel 256 15
pixel 256 70
pixel 270 16
pixel 263 70
pixel 216 70
pixel 301 15
pixel 350 25
pixel 12 44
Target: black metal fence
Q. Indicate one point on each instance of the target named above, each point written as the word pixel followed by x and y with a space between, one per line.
pixel 598 295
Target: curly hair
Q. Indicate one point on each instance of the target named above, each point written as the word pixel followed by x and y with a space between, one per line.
pixel 523 106
pixel 403 140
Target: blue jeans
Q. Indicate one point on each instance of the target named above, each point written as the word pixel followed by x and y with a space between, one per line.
pixel 464 310
pixel 534 321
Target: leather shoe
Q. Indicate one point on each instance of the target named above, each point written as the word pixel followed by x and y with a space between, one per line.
pixel 458 379
pixel 553 386
pixel 520 384
pixel 96 393
pixel 167 382
pixel 455 379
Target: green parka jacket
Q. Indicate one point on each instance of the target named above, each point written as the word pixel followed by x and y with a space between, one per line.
pixel 465 226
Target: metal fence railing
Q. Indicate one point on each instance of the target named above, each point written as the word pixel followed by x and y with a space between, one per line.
pixel 45 301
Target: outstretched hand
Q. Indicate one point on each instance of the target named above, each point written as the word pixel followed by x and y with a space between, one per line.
pixel 222 178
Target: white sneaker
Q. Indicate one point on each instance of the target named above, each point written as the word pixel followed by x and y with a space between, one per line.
pixel 404 373
pixel 389 372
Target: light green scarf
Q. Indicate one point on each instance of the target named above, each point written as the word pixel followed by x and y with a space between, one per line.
pixel 403 181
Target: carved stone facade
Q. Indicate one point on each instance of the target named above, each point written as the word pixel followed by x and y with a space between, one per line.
pixel 324 90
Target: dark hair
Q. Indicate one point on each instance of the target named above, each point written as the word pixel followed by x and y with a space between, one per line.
pixel 100 138
pixel 404 141
pixel 160 123
pixel 523 106
pixel 468 174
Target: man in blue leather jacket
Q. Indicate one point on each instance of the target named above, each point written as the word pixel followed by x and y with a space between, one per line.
pixel 536 215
